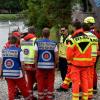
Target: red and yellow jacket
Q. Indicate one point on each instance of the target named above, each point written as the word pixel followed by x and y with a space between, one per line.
pixel 79 50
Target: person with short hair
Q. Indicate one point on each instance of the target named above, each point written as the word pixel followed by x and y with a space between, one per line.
pixel 46 58
pixel 12 68
pixel 15 34
pixel 62 55
pixel 27 46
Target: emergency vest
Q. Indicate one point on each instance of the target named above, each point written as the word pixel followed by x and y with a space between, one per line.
pixel 97 34
pixel 94 43
pixel 79 50
pixel 28 50
pixel 11 62
pixel 62 47
pixel 46 56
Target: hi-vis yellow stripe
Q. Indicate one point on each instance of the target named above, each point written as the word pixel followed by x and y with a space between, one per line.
pixel 82 59
pixel 66 82
pixel 75 94
pixel 75 98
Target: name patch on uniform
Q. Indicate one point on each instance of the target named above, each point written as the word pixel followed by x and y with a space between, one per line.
pixel 30 42
pixel 46 56
pixel 9 63
pixel 81 37
pixel 46 46
pixel 10 53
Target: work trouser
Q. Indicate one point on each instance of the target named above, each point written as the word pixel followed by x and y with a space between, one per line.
pixel 95 80
pixel 79 77
pixel 63 67
pixel 67 79
pixel 95 74
pixel 90 81
pixel 21 84
pixel 45 80
pixel 30 76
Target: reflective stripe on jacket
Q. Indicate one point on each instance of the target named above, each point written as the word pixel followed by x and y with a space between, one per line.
pixel 46 55
pixel 11 62
pixel 94 43
pixel 79 50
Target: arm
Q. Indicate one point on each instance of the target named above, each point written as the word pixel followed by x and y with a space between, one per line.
pixel 36 55
pixel 70 51
pixel 35 58
pixel 1 61
pixel 22 60
pixel 0 66
pixel 56 55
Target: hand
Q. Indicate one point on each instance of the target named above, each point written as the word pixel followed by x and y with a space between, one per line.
pixel 0 72
pixel 1 75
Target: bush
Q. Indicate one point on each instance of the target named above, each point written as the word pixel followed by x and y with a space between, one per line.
pixel 6 17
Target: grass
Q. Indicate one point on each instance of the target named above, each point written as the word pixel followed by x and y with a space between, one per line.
pixel 6 17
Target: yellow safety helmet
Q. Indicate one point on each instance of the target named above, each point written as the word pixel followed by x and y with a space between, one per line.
pixel 89 20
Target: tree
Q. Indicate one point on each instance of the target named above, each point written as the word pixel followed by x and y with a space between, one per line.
pixel 23 4
pixel 13 6
pixel 49 12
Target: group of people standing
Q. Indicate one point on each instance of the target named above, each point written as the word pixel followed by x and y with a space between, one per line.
pixel 82 52
pixel 26 59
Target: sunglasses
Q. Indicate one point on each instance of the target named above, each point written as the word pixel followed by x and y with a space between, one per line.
pixel 62 30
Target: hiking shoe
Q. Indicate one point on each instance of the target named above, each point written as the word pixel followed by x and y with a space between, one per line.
pixel 62 89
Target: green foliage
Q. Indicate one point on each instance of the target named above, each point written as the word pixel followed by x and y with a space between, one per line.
pixel 49 13
pixel 12 6
pixel 6 17
pixel 23 4
pixel 41 13
pixel 53 33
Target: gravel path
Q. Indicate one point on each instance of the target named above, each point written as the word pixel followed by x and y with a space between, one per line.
pixel 58 96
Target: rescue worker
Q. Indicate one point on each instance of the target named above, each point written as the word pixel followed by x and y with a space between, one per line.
pixel 27 46
pixel 79 54
pixel 94 42
pixel 67 81
pixel 7 45
pixel 46 57
pixel 12 67
pixel 62 55
pixel 91 22
pixel 17 35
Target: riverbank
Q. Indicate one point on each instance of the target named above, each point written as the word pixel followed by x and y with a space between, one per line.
pixel 58 95
pixel 12 17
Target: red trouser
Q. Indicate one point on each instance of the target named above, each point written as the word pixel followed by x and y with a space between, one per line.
pixel 95 74
pixel 79 77
pixel 90 81
pixel 95 79
pixel 21 84
pixel 30 76
pixel 45 80
pixel 67 79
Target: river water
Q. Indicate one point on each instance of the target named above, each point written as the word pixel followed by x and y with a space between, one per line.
pixel 6 27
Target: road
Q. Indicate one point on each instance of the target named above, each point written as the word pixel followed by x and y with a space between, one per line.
pixel 58 95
